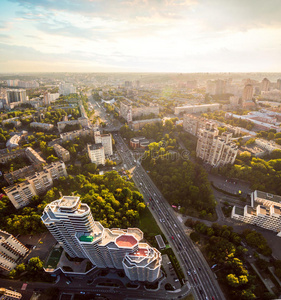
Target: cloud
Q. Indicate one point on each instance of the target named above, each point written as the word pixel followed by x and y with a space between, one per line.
pixel 123 9
pixel 237 15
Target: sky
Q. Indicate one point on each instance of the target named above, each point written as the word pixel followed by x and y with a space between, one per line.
pixel 140 36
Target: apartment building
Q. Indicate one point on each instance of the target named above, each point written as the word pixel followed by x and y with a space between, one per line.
pixel 7 155
pixel 96 154
pixel 20 194
pixel 34 157
pixel 128 111
pixel 44 126
pixel 13 142
pixel 48 98
pixel 265 85
pixel 6 294
pixel 138 125
pixel 193 124
pixel 83 121
pixel 61 152
pixel 20 173
pixel 264 211
pixel 11 252
pixel 66 89
pixel 16 95
pixel 106 141
pixel 71 135
pixel 214 149
pixel 72 225
pixel 193 109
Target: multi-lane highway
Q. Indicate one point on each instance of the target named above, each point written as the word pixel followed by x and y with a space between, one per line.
pixel 195 268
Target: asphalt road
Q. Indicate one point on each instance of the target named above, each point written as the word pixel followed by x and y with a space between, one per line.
pixel 198 274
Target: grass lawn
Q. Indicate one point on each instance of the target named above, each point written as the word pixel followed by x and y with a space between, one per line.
pixel 149 227
pixel 54 258
pixel 148 224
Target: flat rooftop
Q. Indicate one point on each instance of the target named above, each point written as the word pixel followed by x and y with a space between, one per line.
pixel 68 201
pixel 140 252
pixel 127 241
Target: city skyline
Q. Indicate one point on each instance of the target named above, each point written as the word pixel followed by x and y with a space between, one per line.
pixel 140 36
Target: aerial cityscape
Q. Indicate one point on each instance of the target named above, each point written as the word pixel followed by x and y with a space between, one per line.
pixel 140 150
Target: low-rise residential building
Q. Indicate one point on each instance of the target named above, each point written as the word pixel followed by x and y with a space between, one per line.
pixel 137 125
pixel 264 211
pixel 268 146
pixel 11 252
pixel 71 135
pixel 7 155
pixel 214 149
pixel 193 109
pixel 20 173
pixel 13 142
pixel 61 152
pixel 20 194
pixel 35 158
pixel 129 110
pixel 44 126
pixel 96 153
pixel 6 294
pixel 72 225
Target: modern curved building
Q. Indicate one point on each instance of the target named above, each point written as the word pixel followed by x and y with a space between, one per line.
pixel 72 225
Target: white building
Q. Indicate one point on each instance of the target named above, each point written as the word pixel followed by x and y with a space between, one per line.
pixel 214 149
pixel 16 95
pixel 106 141
pixel 44 126
pixel 66 89
pixel 72 225
pixel 264 211
pixel 48 98
pixel 11 251
pixel 96 154
pixel 20 194
pixel 193 109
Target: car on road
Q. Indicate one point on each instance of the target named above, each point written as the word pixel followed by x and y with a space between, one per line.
pixel 172 237
pixel 195 272
pixel 188 273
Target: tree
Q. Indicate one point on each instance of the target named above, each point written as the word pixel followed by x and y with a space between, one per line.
pixel 20 268
pixel 35 265
pixel 232 280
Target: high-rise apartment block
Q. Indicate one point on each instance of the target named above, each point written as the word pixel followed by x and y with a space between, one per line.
pixel 66 89
pixel 16 95
pixel 61 152
pixel 214 149
pixel 11 251
pixel 192 124
pixel 48 98
pixel 20 194
pixel 72 225
pixel 264 211
pixel 106 141
pixel 248 93
pixel 265 85
pixel 278 84
pixel 96 153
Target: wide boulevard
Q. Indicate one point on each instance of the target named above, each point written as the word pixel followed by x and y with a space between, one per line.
pixel 197 272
